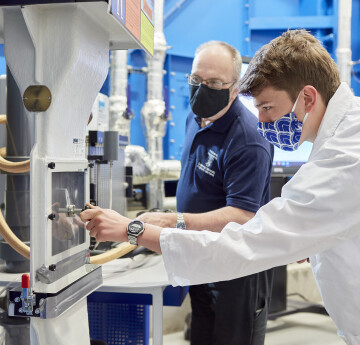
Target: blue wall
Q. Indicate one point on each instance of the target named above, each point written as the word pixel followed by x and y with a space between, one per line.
pixel 197 21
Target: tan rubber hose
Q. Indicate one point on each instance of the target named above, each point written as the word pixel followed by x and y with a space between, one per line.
pixel 8 166
pixel 5 231
pixel 14 167
pixel 12 239
pixel 112 254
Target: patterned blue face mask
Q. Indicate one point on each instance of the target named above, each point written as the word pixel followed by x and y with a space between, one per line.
pixel 285 132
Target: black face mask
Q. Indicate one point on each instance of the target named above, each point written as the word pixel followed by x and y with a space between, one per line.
pixel 206 102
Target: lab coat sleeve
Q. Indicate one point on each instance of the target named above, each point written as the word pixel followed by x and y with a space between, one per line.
pixel 318 209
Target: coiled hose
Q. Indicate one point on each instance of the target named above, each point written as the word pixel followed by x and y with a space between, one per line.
pixel 12 239
pixel 8 166
pixel 112 254
pixel 22 248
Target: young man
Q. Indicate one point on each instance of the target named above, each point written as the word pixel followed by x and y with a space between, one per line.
pixel 297 90
pixel 222 180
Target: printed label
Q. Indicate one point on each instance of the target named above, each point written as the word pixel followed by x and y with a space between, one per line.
pixel 79 147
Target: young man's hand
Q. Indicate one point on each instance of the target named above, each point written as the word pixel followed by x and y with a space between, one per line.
pixel 105 224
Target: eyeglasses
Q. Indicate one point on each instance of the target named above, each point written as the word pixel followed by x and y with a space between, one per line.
pixel 215 84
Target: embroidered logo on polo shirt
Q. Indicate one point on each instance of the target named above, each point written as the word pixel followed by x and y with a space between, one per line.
pixel 206 168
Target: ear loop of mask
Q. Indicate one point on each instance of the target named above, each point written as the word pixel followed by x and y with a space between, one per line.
pixel 305 117
pixel 293 109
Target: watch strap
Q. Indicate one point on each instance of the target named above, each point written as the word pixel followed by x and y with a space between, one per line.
pixel 132 239
pixel 180 222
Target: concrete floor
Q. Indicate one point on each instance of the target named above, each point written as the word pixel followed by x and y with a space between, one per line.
pixel 296 329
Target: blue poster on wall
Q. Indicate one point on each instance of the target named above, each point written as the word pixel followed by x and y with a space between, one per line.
pixel 118 9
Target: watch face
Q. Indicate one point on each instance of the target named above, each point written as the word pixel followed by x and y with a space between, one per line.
pixel 135 227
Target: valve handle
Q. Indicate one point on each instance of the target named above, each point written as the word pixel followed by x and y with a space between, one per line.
pixel 25 281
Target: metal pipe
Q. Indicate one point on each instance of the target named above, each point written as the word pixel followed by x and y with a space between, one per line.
pixel 343 50
pixel 146 170
pixel 118 93
pixel 154 108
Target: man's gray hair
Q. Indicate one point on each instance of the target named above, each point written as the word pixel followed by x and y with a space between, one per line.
pixel 233 51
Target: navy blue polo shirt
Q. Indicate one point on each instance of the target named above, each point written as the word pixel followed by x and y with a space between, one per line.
pixel 226 163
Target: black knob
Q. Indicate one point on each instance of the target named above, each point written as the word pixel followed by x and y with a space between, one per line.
pixel 85 208
pixel 52 216
pixel 51 165
pixel 52 267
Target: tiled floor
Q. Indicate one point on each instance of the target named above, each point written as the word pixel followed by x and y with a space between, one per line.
pixel 296 329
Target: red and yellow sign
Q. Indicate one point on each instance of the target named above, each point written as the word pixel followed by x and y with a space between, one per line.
pixel 132 21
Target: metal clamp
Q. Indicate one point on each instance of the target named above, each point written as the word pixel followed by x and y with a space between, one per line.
pixel 27 298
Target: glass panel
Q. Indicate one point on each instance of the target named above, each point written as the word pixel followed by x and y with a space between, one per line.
pixel 68 198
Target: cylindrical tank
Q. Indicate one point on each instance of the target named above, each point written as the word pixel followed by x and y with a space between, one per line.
pixel 20 140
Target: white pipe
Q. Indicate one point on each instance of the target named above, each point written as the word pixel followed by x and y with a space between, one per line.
pixel 146 170
pixel 118 93
pixel 154 108
pixel 343 51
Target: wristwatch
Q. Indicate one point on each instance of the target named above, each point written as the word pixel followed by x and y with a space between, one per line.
pixel 180 223
pixel 134 230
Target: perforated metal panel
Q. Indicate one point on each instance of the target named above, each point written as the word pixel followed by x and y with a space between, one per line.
pixel 119 324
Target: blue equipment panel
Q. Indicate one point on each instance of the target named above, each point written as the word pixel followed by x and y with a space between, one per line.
pixel 188 23
pixel 179 104
pixel 40 2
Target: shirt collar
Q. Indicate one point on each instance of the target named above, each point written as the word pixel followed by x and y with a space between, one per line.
pixel 335 110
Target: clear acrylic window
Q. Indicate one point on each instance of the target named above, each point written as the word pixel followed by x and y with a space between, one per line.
pixel 68 197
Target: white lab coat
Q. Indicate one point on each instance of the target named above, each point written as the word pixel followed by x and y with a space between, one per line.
pixel 317 215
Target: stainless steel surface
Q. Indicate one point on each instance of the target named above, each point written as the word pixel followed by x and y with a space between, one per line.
pixel 49 275
pixel 55 306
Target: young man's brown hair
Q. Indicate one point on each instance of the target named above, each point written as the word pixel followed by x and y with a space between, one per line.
pixel 289 62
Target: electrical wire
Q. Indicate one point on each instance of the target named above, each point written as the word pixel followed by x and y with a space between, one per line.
pixel 298 294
